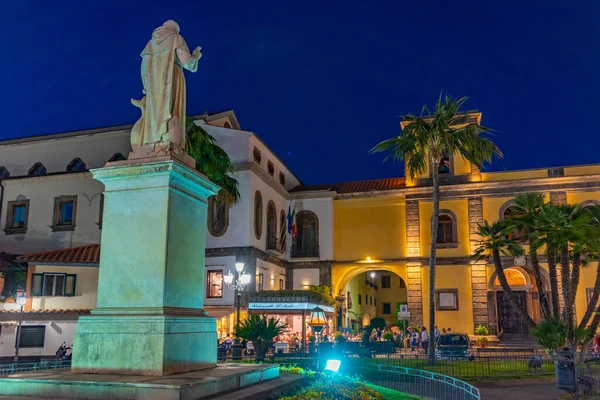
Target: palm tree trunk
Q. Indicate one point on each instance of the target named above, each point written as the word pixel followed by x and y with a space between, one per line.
pixel 512 298
pixel 432 258
pixel 553 284
pixel 537 273
pixel 575 275
pixel 565 266
pixel 593 301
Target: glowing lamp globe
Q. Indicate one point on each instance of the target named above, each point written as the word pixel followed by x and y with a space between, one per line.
pixel 239 267
pixel 21 300
pixel 228 278
pixel 317 320
pixel 245 278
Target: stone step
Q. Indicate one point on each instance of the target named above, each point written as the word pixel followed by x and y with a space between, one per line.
pixel 266 390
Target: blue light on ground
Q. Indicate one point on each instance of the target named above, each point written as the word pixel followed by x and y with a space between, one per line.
pixel 333 365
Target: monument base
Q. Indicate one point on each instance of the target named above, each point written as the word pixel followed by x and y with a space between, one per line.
pixel 64 384
pixel 155 345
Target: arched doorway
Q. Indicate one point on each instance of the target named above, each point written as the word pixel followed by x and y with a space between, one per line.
pixel 371 294
pixel 502 313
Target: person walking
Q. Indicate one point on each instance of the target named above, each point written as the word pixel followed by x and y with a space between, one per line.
pixel 424 339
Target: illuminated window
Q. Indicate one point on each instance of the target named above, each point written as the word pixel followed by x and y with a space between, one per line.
pixel 261 282
pixel 214 287
pixel 281 284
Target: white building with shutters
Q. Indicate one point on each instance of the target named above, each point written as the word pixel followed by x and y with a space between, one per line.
pixel 51 218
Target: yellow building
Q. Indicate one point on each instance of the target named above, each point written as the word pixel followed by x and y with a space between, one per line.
pixel 384 226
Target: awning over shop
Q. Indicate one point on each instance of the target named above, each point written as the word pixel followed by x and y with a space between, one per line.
pixel 286 307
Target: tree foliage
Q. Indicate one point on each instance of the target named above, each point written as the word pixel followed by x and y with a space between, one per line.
pixel 211 160
pixel 422 144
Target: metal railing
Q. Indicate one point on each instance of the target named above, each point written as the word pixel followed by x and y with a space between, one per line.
pixel 13 368
pixel 421 383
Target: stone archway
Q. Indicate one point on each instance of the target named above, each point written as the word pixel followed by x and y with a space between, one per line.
pixel 501 313
pixel 364 297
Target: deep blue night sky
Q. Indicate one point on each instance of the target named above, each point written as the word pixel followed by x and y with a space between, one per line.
pixel 320 82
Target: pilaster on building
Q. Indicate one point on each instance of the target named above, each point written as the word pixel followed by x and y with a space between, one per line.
pixel 413 244
pixel 478 268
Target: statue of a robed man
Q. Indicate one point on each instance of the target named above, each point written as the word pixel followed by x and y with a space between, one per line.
pixel 162 124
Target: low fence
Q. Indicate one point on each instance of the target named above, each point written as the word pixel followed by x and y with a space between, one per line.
pixel 16 367
pixel 502 365
pixel 420 383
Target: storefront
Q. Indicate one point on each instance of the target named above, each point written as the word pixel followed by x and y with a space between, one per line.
pixel 291 311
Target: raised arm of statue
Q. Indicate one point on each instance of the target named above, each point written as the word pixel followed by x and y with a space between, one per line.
pixel 187 60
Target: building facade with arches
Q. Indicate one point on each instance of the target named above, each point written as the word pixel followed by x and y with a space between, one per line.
pixel 368 242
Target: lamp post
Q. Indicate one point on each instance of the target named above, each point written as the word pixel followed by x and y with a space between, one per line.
pixel 237 283
pixel 21 300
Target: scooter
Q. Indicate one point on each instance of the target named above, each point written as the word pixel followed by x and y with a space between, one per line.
pixel 63 352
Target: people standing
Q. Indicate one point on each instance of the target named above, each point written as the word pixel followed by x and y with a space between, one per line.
pixel 436 334
pixel 414 340
pixel 424 339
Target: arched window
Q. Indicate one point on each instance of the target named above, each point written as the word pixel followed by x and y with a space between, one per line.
pixel 76 166
pixel 258 212
pixel 117 157
pixel 447 234
pixel 4 173
pixel 218 216
pixel 508 211
pixel 511 213
pixel 583 204
pixel 306 241
pixel 271 226
pixel 38 169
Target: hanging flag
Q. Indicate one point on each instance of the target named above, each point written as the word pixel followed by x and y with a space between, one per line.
pixel 282 237
pixel 291 219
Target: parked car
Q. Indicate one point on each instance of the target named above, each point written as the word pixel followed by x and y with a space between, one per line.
pixel 453 346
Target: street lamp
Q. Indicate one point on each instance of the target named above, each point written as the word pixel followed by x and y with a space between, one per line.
pixel 21 300
pixel 317 320
pixel 237 282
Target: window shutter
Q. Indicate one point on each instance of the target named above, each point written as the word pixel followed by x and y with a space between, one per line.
pixel 36 284
pixel 70 285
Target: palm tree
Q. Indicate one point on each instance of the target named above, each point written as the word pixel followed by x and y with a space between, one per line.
pixel 424 141
pixel 495 241
pixel 527 209
pixel 211 160
pixel 593 247
pixel 260 330
pixel 562 229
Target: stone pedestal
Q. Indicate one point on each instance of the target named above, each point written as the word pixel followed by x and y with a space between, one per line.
pixel 149 318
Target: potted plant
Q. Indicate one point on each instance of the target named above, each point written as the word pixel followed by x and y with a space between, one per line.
pixel 260 330
pixel 481 331
pixel 388 336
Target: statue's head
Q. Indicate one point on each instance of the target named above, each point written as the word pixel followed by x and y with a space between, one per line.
pixel 171 25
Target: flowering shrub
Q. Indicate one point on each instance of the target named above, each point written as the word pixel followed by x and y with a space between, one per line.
pixel 336 387
pixel 293 369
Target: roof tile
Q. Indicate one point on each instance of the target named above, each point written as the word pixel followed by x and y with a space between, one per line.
pixel 88 254
pixel 355 187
